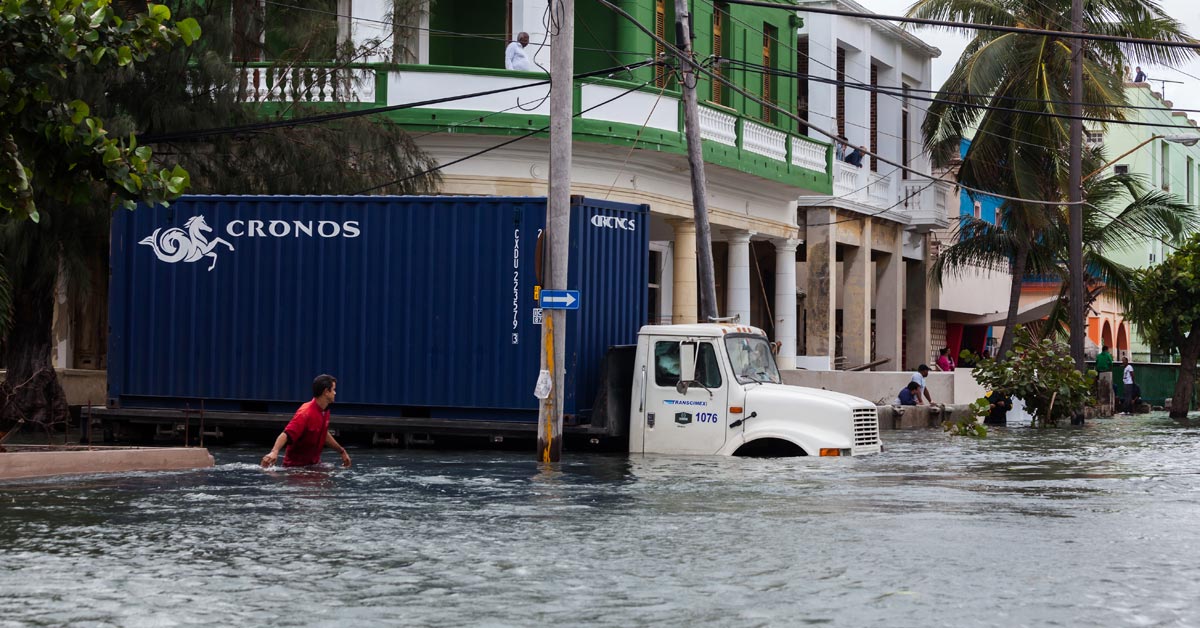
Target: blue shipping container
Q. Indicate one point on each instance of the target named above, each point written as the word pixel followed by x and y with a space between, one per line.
pixel 422 307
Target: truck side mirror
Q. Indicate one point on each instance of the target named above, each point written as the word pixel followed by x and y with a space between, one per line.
pixel 687 364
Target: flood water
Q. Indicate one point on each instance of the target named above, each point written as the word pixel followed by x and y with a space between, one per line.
pixel 1098 526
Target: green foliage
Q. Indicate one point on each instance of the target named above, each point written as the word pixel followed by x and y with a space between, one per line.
pixel 51 146
pixel 1042 373
pixel 971 424
pixel 1167 310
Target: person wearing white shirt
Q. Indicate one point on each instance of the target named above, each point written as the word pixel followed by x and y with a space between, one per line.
pixel 919 379
pixel 514 55
pixel 1127 379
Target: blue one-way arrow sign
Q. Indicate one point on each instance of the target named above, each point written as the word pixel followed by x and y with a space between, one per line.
pixel 560 299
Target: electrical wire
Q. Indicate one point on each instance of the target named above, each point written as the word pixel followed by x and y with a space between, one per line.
pixel 500 145
pixel 753 98
pixel 317 119
pixel 761 69
pixel 435 31
pixel 1190 45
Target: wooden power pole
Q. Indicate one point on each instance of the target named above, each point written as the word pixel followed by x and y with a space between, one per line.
pixel 558 224
pixel 1075 193
pixel 691 122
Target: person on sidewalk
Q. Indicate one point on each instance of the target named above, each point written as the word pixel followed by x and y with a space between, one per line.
pixel 919 379
pixel 1104 360
pixel 908 395
pixel 1127 379
pixel 308 432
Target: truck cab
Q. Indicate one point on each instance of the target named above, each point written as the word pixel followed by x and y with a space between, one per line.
pixel 715 389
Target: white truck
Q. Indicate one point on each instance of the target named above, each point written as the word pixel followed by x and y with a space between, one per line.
pixel 715 389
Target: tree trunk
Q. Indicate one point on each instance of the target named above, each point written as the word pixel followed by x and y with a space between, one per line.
pixel 1014 303
pixel 31 390
pixel 1189 352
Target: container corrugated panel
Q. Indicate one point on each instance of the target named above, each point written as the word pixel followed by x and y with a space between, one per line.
pixel 609 260
pixel 416 304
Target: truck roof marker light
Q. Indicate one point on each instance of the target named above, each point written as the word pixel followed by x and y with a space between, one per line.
pixel 735 409
pixel 830 451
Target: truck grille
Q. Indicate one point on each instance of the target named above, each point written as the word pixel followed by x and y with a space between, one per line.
pixel 866 427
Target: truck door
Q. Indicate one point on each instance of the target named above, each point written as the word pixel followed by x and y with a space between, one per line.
pixel 685 419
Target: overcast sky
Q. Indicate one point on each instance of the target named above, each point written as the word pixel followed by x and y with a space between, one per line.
pixel 1185 95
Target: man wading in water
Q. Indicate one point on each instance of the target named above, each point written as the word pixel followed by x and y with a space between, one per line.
pixel 308 431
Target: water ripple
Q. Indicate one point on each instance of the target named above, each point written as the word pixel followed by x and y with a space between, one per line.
pixel 1070 527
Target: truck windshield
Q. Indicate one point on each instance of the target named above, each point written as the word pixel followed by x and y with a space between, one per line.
pixel 752 360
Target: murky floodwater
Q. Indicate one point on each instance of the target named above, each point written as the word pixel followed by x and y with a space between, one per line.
pixel 1073 527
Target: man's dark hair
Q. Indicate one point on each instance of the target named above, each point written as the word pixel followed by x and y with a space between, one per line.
pixel 943 350
pixel 923 367
pixel 914 386
pixel 323 383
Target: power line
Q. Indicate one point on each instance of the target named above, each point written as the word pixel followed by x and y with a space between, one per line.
pixel 500 145
pixel 758 68
pixel 1190 45
pixel 434 31
pixel 770 105
pixel 899 99
pixel 330 117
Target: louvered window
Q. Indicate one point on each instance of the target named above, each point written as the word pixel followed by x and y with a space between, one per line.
pixel 660 29
pixel 874 116
pixel 768 80
pixel 718 48
pixel 841 92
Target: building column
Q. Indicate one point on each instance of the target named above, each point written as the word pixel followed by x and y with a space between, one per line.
pixel 785 301
pixel 916 310
pixel 737 293
pixel 856 302
pixel 889 305
pixel 820 304
pixel 685 300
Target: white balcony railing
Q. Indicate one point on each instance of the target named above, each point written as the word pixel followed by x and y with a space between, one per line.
pixel 806 154
pixel 846 180
pixel 926 203
pixel 880 190
pixel 718 126
pixel 764 141
pixel 269 84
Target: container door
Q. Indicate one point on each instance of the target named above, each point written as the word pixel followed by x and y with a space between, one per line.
pixel 690 421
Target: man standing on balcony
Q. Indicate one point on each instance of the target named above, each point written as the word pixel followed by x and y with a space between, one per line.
pixel 514 55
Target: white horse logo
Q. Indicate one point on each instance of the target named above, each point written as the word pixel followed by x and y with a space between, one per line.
pixel 176 245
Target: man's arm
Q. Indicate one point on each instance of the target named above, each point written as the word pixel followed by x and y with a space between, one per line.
pixel 280 442
pixel 331 442
pixel 508 57
pixel 927 395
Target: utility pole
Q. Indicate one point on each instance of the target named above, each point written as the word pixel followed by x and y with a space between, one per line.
pixel 691 124
pixel 558 224
pixel 1075 194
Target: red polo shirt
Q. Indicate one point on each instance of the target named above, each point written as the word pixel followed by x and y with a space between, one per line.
pixel 306 432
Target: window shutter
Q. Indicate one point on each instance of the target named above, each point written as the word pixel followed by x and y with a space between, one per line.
pixel 660 29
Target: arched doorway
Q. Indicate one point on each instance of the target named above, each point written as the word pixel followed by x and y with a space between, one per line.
pixel 1106 335
pixel 1122 339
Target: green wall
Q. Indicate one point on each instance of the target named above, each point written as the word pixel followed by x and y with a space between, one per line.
pixel 475 36
pixel 596 45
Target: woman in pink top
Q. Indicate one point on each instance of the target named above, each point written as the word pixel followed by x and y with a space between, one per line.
pixel 944 361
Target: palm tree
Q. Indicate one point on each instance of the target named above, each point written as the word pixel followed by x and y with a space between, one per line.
pixel 1018 150
pixel 1122 211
